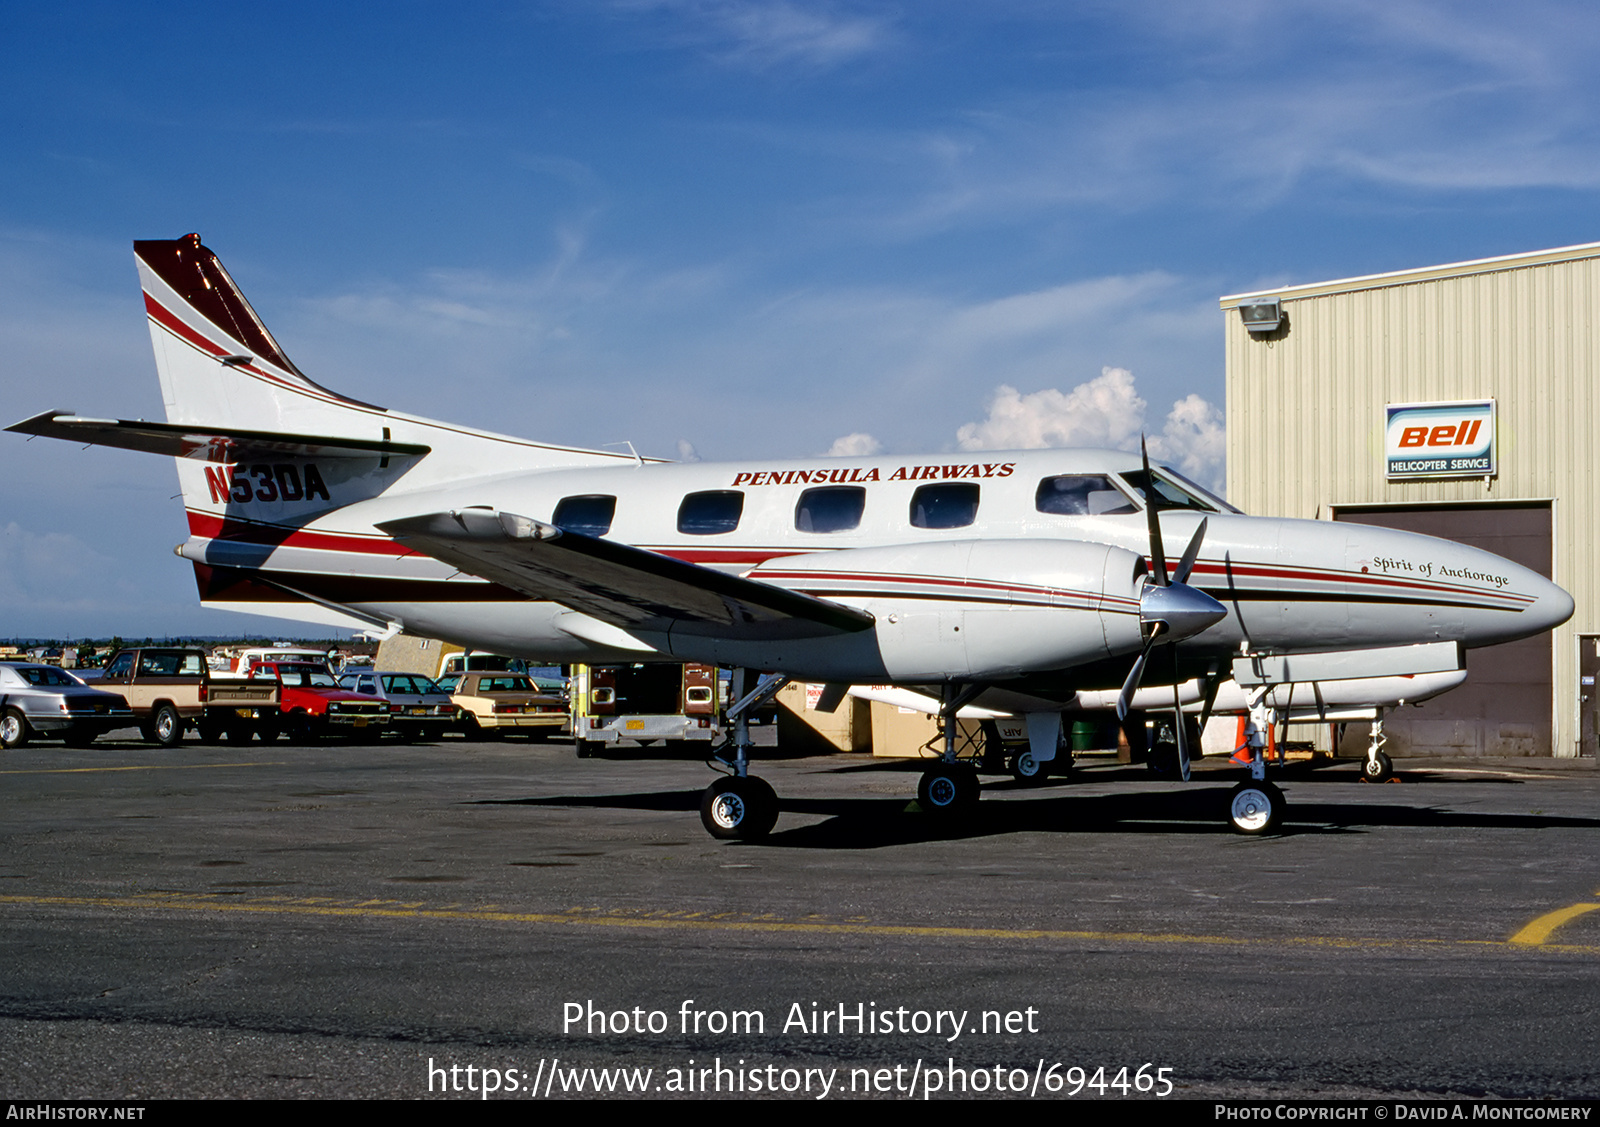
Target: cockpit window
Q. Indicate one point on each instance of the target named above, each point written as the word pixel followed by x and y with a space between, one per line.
pixel 1081 495
pixel 946 505
pixel 1171 495
pixel 1200 491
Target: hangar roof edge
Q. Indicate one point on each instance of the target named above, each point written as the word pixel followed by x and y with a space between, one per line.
pixel 1420 274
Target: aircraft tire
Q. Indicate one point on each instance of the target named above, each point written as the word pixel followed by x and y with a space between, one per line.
pixel 1029 771
pixel 1255 808
pixel 1383 774
pixel 14 730
pixel 739 809
pixel 948 790
pixel 167 726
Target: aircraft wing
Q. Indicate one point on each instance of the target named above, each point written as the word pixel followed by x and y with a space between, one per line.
pixel 618 584
pixel 207 444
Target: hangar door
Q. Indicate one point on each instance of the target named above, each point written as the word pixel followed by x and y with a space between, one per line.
pixel 1504 706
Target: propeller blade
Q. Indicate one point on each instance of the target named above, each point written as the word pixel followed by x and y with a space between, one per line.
pixel 1158 557
pixel 1190 554
pixel 1136 674
pixel 1179 723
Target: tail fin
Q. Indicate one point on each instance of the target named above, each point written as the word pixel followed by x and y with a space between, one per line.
pixel 219 365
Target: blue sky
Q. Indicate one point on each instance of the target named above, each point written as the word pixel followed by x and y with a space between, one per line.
pixel 731 228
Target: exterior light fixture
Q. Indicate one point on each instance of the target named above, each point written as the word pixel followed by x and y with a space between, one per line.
pixel 1261 316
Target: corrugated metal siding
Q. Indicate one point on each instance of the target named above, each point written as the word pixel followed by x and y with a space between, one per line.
pixel 1305 413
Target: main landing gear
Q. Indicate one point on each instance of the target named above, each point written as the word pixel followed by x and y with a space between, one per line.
pixel 949 789
pixel 741 806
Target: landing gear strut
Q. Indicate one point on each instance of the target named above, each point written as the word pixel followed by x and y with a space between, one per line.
pixel 1256 806
pixel 742 806
pixel 949 790
pixel 1378 768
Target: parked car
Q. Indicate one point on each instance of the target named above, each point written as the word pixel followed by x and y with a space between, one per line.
pixel 312 705
pixel 43 700
pixel 492 704
pixel 418 708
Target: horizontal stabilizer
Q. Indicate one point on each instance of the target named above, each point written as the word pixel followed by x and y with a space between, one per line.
pixel 207 444
pixel 627 587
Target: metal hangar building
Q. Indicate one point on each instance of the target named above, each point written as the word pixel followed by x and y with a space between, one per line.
pixel 1461 401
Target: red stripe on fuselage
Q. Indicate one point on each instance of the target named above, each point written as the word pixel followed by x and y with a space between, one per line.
pixel 213 527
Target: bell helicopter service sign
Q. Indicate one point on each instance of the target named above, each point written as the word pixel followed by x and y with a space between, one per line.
pixel 1440 439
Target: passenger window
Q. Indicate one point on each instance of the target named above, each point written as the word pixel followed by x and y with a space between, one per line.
pixel 590 515
pixel 946 505
pixel 711 512
pixel 836 508
pixel 1081 495
pixel 121 667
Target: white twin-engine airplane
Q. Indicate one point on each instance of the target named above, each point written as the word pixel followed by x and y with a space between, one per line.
pixel 1013 581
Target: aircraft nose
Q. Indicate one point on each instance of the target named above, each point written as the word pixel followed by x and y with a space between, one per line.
pixel 1552 605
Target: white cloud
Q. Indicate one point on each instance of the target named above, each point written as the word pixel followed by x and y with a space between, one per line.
pixel 1104 412
pixel 856 445
pixel 1194 441
pixel 766 34
pixel 687 452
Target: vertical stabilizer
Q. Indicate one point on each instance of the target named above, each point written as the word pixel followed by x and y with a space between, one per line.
pixel 219 365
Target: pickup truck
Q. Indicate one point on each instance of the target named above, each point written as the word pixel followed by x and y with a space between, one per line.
pixel 311 704
pixel 171 690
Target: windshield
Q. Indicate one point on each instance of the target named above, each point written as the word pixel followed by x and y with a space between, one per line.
pixel 1171 495
pixel 306 677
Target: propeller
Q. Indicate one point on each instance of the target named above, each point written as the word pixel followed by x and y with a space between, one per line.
pixel 1169 609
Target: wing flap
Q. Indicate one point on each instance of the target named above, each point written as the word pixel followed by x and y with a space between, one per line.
pixel 207 444
pixel 618 584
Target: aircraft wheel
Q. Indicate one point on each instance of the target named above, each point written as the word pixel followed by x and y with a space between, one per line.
pixel 1027 770
pixel 167 727
pixel 739 808
pixel 14 729
pixel 1384 772
pixel 948 790
pixel 1255 808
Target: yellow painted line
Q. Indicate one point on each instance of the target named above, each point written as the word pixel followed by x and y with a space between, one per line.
pixel 1535 933
pixel 142 767
pixel 765 924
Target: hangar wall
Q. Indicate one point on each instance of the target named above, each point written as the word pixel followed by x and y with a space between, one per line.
pixel 1306 406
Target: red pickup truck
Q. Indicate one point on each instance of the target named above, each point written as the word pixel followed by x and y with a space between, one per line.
pixel 312 705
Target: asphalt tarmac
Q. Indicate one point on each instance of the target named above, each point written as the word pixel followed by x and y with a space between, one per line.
pixel 434 920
